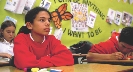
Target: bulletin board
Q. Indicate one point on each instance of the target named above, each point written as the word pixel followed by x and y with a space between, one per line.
pixel 100 32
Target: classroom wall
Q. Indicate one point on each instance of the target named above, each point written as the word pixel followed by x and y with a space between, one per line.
pixel 101 30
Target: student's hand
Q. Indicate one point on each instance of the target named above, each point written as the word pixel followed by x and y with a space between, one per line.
pixel 6 55
pixel 129 56
pixel 117 56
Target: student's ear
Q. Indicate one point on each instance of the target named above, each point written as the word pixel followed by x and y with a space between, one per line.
pixel 29 25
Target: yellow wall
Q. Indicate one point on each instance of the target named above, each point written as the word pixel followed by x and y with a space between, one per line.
pixel 101 26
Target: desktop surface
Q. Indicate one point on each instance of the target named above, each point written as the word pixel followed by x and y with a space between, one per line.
pixel 91 67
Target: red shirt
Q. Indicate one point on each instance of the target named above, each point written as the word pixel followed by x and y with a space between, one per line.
pixel 106 47
pixel 28 53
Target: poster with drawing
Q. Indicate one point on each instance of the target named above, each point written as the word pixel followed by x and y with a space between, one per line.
pixel 80 14
pixel 46 4
pixel 28 5
pixel 91 19
pixel 117 19
pixel 126 19
pixel 110 16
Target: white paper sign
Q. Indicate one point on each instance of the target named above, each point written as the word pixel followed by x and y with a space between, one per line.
pixel 91 19
pixel 58 33
pixel 11 5
pixel 118 16
pixel 11 19
pixel 46 4
pixel 131 1
pixel 28 5
pixel 110 16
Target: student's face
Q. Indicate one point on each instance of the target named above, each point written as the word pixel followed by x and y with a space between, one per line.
pixel 125 48
pixel 9 33
pixel 41 24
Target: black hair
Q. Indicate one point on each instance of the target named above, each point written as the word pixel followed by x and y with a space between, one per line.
pixel 30 16
pixel 4 25
pixel 126 35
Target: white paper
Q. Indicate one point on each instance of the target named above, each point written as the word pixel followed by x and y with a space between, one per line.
pixel 80 15
pixel 124 1
pixel 131 1
pixel 20 6
pixel 110 16
pixel 46 4
pixel 119 30
pixel 11 5
pixel 118 0
pixel 50 30
pixel 29 4
pixel 118 17
pixel 91 19
pixel 11 19
pixel 127 19
pixel 58 33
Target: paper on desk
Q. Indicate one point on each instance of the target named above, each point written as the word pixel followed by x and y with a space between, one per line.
pixel 4 59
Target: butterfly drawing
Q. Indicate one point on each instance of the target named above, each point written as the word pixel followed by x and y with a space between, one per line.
pixel 61 14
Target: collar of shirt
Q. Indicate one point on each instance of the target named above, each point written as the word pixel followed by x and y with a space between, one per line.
pixel 33 39
pixel 5 42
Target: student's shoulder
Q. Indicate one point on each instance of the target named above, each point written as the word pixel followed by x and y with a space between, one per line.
pixel 21 36
pixel 115 34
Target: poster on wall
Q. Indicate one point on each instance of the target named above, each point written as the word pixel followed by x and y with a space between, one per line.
pixel 110 16
pixel 50 30
pixel 124 1
pixel 58 33
pixel 11 5
pixel 127 19
pixel 80 14
pixel 46 4
pixel 118 0
pixel 130 1
pixel 11 19
pixel 28 5
pixel 19 6
pixel 118 17
pixel 91 19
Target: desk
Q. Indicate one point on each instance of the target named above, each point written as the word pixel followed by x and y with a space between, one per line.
pixel 3 62
pixel 121 62
pixel 92 67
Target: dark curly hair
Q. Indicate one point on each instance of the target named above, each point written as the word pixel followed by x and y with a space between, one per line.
pixel 30 16
pixel 126 35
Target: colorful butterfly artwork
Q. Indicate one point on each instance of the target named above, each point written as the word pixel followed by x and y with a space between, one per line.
pixel 61 14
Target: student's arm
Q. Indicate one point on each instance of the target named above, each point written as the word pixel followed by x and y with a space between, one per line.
pixel 96 56
pixel 23 58
pixel 61 55
pixel 104 51
pixel 6 55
